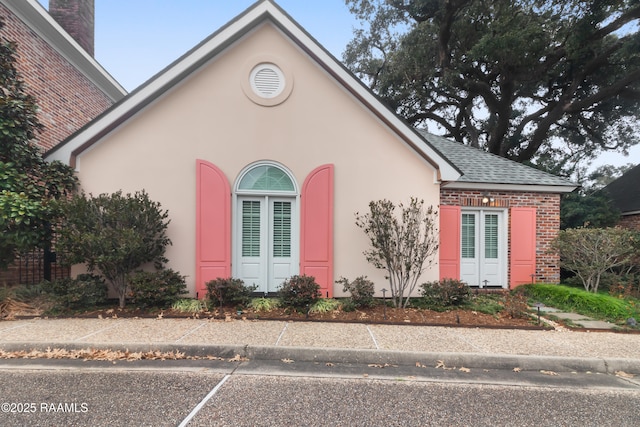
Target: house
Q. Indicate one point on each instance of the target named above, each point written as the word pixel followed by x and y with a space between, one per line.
pixel 262 147
pixel 58 69
pixel 625 194
pixel 57 65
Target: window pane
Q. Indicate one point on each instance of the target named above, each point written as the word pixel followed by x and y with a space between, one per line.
pixel 491 236
pixel 282 229
pixel 468 236
pixel 251 228
pixel 266 178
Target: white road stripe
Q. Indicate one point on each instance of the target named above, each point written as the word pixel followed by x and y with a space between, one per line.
pixel 191 332
pixel 203 402
pixel 282 333
pixel 373 338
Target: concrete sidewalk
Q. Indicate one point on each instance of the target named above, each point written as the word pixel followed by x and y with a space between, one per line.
pixel 559 350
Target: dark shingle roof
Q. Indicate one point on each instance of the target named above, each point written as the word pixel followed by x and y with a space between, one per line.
pixel 625 191
pixel 479 166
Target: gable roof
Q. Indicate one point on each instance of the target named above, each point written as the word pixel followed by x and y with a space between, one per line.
pixel 625 192
pixel 458 166
pixel 39 21
pixel 260 12
pixel 481 169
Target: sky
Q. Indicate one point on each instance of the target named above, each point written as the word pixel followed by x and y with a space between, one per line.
pixel 135 39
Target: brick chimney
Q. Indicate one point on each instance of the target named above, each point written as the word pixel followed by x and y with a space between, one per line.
pixel 77 18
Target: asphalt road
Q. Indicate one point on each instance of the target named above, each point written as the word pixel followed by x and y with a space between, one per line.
pixel 286 393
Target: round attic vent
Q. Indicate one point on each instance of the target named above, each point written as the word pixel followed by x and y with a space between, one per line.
pixel 267 80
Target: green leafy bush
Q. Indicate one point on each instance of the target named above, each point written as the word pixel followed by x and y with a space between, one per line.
pixel 445 293
pixel 229 292
pixel 580 301
pixel 189 305
pixel 299 292
pixel 156 289
pixel 86 290
pixel 325 305
pixel 361 291
pixel 264 304
pixel 114 234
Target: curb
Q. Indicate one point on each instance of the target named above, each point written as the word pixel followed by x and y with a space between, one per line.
pixel 363 356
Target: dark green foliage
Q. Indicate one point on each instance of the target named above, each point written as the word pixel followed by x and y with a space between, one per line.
pixel 582 302
pixel 114 234
pixel 157 289
pixel 28 184
pixel 361 291
pixel 553 81
pixel 229 292
pixel 593 209
pixel 86 290
pixel 299 292
pixel 445 293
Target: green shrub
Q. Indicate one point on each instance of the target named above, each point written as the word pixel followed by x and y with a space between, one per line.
pixel 190 305
pixel 489 303
pixel 325 305
pixel 445 293
pixel 229 292
pixel 361 291
pixel 264 304
pixel 156 289
pixel 580 301
pixel 86 290
pixel 299 292
pixel 115 235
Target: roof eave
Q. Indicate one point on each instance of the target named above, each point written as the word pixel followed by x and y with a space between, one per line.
pixel 534 188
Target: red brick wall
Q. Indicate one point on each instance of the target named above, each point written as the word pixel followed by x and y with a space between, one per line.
pixel 77 18
pixel 66 98
pixel 548 221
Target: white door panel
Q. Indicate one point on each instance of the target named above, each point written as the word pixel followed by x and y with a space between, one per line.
pixel 483 246
pixel 266 246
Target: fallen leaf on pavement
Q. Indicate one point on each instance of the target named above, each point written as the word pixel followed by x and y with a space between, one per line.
pixel 623 374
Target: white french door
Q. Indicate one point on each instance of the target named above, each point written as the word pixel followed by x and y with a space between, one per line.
pixel 266 248
pixel 483 261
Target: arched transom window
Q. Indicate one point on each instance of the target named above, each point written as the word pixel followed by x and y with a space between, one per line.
pixel 266 178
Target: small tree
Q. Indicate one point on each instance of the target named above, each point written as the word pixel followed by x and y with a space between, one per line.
pixel 589 252
pixel 114 234
pixel 403 246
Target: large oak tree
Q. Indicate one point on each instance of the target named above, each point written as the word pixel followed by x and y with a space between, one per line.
pixel 553 82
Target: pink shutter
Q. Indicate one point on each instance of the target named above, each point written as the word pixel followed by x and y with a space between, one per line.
pixel 316 225
pixel 450 218
pixel 213 225
pixel 523 245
